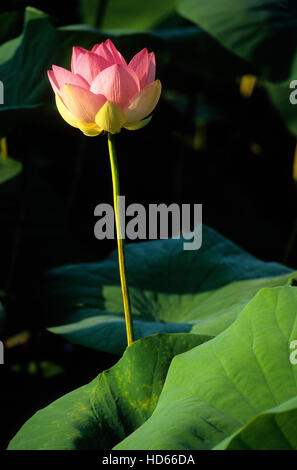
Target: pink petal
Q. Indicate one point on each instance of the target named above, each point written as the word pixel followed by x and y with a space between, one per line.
pixel 117 56
pixel 83 104
pixel 109 52
pixel 95 48
pixel 143 103
pixel 76 53
pixel 104 52
pixel 151 75
pixel 117 83
pixel 139 64
pixel 53 81
pixel 63 76
pixel 89 65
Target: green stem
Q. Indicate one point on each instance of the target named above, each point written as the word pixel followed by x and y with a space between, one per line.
pixel 121 247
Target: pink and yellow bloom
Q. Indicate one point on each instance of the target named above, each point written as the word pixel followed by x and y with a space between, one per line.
pixel 104 93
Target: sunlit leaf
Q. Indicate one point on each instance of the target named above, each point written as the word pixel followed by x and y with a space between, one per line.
pixel 172 290
pixel 237 391
pixel 100 414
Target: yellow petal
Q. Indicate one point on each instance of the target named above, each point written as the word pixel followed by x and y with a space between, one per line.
pixel 134 126
pixel 65 113
pixel 110 118
pixel 144 102
pixel 89 129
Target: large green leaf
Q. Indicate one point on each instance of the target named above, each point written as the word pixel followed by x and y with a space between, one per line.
pixel 236 391
pixel 11 23
pixel 263 32
pixel 130 14
pixel 100 414
pixel 25 60
pixel 272 429
pixel 172 290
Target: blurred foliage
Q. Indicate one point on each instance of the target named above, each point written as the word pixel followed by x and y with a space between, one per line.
pixel 115 14
pixel 263 32
pixel 9 167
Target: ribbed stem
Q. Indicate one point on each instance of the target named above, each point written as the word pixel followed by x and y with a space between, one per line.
pixel 120 241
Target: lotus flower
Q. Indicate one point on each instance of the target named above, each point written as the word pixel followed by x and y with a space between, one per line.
pixel 103 93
